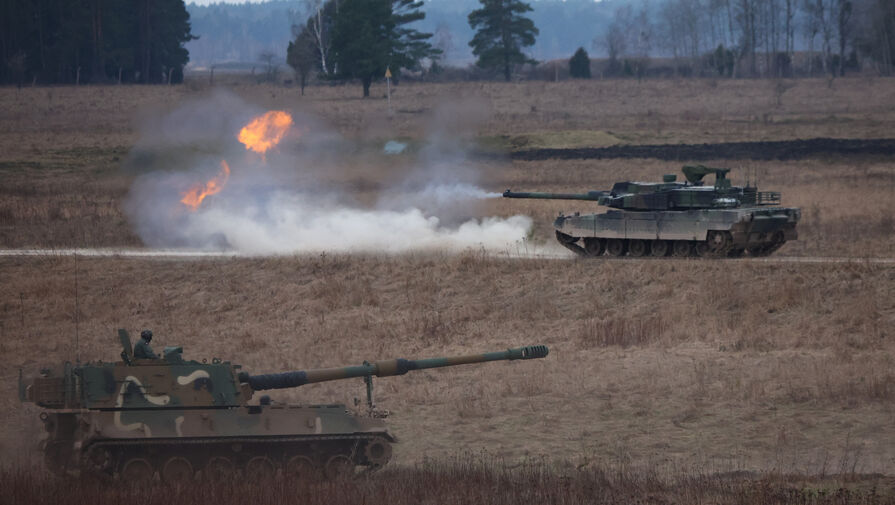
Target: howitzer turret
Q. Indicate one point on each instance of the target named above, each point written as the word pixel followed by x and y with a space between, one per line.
pixel 133 418
pixel 676 218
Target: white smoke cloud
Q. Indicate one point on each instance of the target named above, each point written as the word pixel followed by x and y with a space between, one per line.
pixel 286 204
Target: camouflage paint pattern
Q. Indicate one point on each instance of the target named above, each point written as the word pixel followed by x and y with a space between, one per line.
pixel 133 418
pixel 676 218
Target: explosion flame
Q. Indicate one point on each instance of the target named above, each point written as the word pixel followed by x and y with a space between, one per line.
pixel 265 131
pixel 193 197
pixel 262 133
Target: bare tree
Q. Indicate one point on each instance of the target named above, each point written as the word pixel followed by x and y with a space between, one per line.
pixel 630 37
pixel 843 28
pixel 746 14
pixel 642 42
pixel 271 67
pixel 319 25
pixel 820 22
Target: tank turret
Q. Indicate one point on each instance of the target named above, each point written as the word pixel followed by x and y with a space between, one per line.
pixel 676 218
pixel 134 418
pixel 670 194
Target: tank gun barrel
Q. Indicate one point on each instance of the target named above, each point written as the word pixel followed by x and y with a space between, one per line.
pixel 384 368
pixel 590 195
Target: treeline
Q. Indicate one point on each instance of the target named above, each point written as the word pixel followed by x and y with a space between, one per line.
pixel 96 41
pixel 754 38
pixel 239 33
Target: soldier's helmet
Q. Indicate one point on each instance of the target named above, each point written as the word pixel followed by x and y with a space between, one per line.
pixel 146 334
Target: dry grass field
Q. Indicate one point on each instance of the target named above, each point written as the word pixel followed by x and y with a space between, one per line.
pixel 688 367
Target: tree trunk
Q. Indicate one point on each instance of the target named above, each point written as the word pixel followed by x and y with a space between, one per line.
pixel 506 66
pixel 367 80
pixel 99 66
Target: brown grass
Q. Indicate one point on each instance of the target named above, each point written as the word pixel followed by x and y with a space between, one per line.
pixel 61 149
pixel 692 364
pixel 683 360
pixel 474 478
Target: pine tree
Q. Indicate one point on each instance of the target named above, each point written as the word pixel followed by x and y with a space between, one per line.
pixel 369 37
pixel 302 55
pixel 502 31
pixel 79 41
pixel 579 65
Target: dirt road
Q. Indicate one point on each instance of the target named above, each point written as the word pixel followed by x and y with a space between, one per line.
pixel 767 150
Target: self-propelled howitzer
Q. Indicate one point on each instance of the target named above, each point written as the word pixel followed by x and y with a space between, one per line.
pixel 676 218
pixel 179 418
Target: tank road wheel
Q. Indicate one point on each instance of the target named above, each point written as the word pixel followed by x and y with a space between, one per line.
pixel 260 468
pixel 177 470
pixel 637 248
pixel 594 246
pixel 681 248
pixel 378 452
pixel 703 250
pixel 137 471
pixel 718 243
pixel 616 247
pixel 219 469
pixel 300 468
pixel 765 249
pixel 777 242
pixel 659 248
pixel 339 467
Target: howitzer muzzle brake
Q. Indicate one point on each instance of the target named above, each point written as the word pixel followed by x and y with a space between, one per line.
pixel 532 352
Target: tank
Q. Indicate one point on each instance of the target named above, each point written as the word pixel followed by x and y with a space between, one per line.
pixel 672 218
pixel 137 418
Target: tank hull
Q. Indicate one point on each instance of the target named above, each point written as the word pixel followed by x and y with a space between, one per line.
pixel 256 440
pixel 703 232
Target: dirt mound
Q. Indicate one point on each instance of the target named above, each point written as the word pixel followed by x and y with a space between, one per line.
pixel 768 150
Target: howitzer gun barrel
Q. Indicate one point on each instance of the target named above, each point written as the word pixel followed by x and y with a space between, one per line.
pixel 384 368
pixel 590 195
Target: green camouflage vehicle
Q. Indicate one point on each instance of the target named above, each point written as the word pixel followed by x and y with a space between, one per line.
pixel 671 218
pixel 135 417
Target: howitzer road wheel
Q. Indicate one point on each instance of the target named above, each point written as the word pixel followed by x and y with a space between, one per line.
pixel 378 452
pixel 98 460
pixel 177 470
pixel 137 470
pixel 301 468
pixel 260 468
pixel 339 467
pixel 219 469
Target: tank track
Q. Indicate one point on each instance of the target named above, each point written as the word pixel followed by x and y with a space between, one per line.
pixel 717 245
pixel 109 459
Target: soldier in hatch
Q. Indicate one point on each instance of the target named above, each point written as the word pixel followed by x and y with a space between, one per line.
pixel 142 349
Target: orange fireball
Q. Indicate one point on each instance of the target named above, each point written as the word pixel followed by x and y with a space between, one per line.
pixel 193 197
pixel 265 131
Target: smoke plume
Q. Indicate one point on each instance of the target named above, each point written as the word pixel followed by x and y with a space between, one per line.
pixel 312 192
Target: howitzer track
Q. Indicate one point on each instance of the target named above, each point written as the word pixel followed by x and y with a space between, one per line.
pixel 759 150
pixel 259 457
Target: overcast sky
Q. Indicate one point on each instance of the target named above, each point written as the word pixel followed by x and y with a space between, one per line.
pixel 206 2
